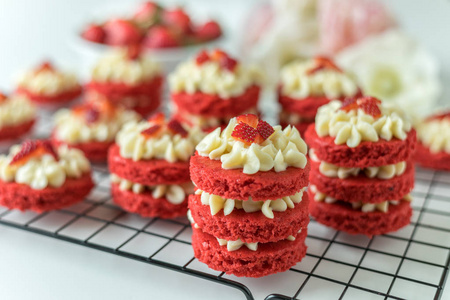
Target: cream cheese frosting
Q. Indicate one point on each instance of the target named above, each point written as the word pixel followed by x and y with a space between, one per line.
pixel 283 149
pixel 73 128
pixel 44 171
pixel 174 193
pixel 355 126
pixel 16 110
pixel 48 82
pixel 116 66
pixel 435 134
pixel 168 146
pixel 267 207
pixel 210 78
pixel 297 83
pixel 360 205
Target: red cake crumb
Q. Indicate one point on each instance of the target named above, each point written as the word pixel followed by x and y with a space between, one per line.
pixel 145 205
pixel 209 176
pixel 250 227
pixel 270 258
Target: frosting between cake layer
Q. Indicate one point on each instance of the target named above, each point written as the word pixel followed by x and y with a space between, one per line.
pixel 211 78
pixel 167 146
pixel 73 128
pixel 297 83
pixel 48 82
pixel 174 193
pixel 283 149
pixel 267 207
pixel 435 134
pixel 381 172
pixel 16 110
pixel 355 126
pixel 117 67
pixel 45 171
pixel 360 205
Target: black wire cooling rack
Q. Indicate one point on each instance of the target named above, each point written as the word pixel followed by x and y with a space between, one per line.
pixel 412 263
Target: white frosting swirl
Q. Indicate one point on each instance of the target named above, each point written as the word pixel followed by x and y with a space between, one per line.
pixel 297 83
pixel 210 78
pixel 116 66
pixel 16 110
pixel 355 126
pixel 363 206
pixel 45 171
pixel 267 207
pixel 174 193
pixel 435 134
pixel 48 82
pixel 73 129
pixel 285 148
pixel 166 146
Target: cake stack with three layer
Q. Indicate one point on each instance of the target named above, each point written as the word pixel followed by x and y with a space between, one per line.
pixel 249 212
pixel 361 166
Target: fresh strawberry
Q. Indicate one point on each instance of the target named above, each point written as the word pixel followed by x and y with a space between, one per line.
pixel 147 13
pixel 370 106
pixel 178 19
pixel 157 118
pixel 228 63
pixel 32 149
pixel 160 37
pixel 202 57
pixel 244 133
pixel 323 63
pixel 133 51
pixel 151 131
pixel 3 97
pixel 349 104
pixel 208 31
pixel 120 32
pixel 94 33
pixel 45 66
pixel 177 128
pixel 249 119
pixel 218 54
pixel 91 115
pixel 265 130
pixel 368 99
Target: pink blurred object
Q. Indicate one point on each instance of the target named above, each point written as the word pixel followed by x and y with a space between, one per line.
pixel 346 22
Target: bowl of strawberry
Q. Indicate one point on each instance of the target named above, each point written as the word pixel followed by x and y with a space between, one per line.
pixel 169 33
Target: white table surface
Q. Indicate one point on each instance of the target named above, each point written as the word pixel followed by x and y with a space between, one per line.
pixel 38 267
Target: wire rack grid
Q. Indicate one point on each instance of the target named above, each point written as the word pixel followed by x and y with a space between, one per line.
pixel 412 263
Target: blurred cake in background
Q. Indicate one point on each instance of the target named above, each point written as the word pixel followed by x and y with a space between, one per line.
pixel 305 85
pixel 46 85
pixel 213 87
pixel 128 78
pixel 155 27
pixel 149 166
pixel 17 116
pixel 433 143
pixel 91 127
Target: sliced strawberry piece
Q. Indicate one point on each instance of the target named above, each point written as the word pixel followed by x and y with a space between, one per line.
pixel 218 54
pixel 178 19
pixel 177 128
pixel 120 32
pixel 349 104
pixel 439 116
pixel 147 13
pixel 94 33
pixel 91 115
pixel 265 130
pixel 3 97
pixel 208 31
pixel 151 131
pixel 157 118
pixel 160 37
pixel 371 108
pixel 45 66
pixel 31 149
pixel 368 99
pixel 202 57
pixel 323 63
pixel 133 51
pixel 228 63
pixel 249 119
pixel 244 133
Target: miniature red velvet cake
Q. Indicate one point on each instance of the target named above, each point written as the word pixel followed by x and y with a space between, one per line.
pixel 307 85
pixel 433 146
pixel 149 167
pixel 128 78
pixel 249 213
pixel 361 166
pixel 47 85
pixel 39 177
pixel 91 127
pixel 17 116
pixel 212 88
